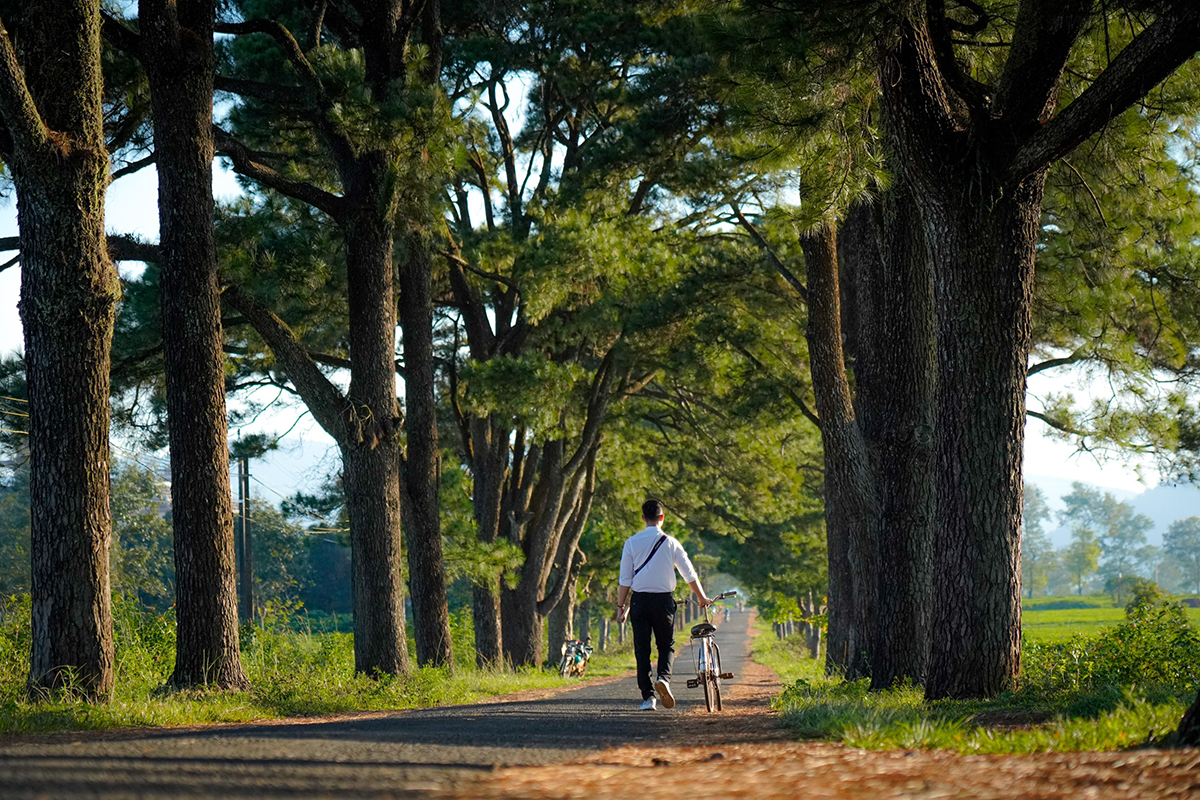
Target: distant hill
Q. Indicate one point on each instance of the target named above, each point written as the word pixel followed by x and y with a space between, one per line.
pixel 1164 504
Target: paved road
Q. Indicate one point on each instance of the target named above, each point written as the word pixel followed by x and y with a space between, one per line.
pixel 422 753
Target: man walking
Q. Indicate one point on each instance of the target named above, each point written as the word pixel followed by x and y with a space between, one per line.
pixel 648 564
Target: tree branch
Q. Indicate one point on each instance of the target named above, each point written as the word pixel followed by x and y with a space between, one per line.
pixel 914 95
pixel 1155 53
pixel 1041 44
pixel 808 413
pixel 125 247
pixel 267 92
pixel 342 148
pixel 597 408
pixel 17 107
pixel 775 261
pixel 973 93
pixel 1058 426
pixel 245 164
pixel 330 360
pixel 1051 363
pixel 324 400
pixel 287 43
pixel 119 35
pixel 134 166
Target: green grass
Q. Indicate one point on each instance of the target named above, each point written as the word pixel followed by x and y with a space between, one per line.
pixel 1038 622
pixel 1127 686
pixel 292 673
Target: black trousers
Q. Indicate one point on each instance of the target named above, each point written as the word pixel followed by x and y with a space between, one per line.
pixel 652 612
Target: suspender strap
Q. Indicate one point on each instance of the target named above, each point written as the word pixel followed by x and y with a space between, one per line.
pixel 653 550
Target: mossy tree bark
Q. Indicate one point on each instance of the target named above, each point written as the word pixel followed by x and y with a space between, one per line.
pixel 53 143
pixel 176 48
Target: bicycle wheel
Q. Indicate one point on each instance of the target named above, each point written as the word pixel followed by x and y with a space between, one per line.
pixel 711 693
pixel 716 673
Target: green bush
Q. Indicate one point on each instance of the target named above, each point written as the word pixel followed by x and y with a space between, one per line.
pixel 1156 645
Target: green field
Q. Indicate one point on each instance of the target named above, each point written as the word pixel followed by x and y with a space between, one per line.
pixel 1046 619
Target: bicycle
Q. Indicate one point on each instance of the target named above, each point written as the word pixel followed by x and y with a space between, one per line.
pixel 708 658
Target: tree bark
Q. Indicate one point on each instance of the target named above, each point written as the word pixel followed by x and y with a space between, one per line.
pixel 976 158
pixel 561 621
pixel 894 381
pixel 177 52
pixel 1188 734
pixel 421 463
pixel 489 455
pixel 55 149
pixel 984 288
pixel 371 455
pixel 851 506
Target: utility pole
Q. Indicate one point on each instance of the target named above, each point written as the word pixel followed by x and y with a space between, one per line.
pixel 245 551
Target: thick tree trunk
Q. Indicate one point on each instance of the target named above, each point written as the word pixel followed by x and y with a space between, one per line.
pixel 583 621
pixel 489 468
pixel 851 507
pixel 557 511
pixel 980 235
pixel 370 476
pixel 561 621
pixel 421 465
pixel 56 153
pixel 984 255
pixel 177 50
pixel 371 453
pixel 1188 734
pixel 894 379
pixel 522 624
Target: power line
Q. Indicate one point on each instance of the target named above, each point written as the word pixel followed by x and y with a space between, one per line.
pixel 14 413
pixel 306 512
pixel 14 399
pixel 10 430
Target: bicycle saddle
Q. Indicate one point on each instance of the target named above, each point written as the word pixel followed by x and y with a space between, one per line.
pixel 703 629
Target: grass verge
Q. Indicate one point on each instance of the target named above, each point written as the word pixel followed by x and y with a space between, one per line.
pixel 292 674
pixel 1082 695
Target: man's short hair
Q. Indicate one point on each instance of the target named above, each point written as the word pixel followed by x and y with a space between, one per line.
pixel 652 509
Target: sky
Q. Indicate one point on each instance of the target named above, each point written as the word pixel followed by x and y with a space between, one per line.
pixel 131 208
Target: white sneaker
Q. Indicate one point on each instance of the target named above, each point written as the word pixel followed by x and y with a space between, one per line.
pixel 648 704
pixel 664 693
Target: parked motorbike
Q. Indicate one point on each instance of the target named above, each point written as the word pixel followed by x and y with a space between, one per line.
pixel 575 655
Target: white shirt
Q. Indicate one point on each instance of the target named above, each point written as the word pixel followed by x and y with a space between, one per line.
pixel 659 574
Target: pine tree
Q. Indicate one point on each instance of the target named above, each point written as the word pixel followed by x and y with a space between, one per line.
pixel 367 92
pixel 175 46
pixel 54 146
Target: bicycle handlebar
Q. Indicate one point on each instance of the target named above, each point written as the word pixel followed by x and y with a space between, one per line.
pixel 725 595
